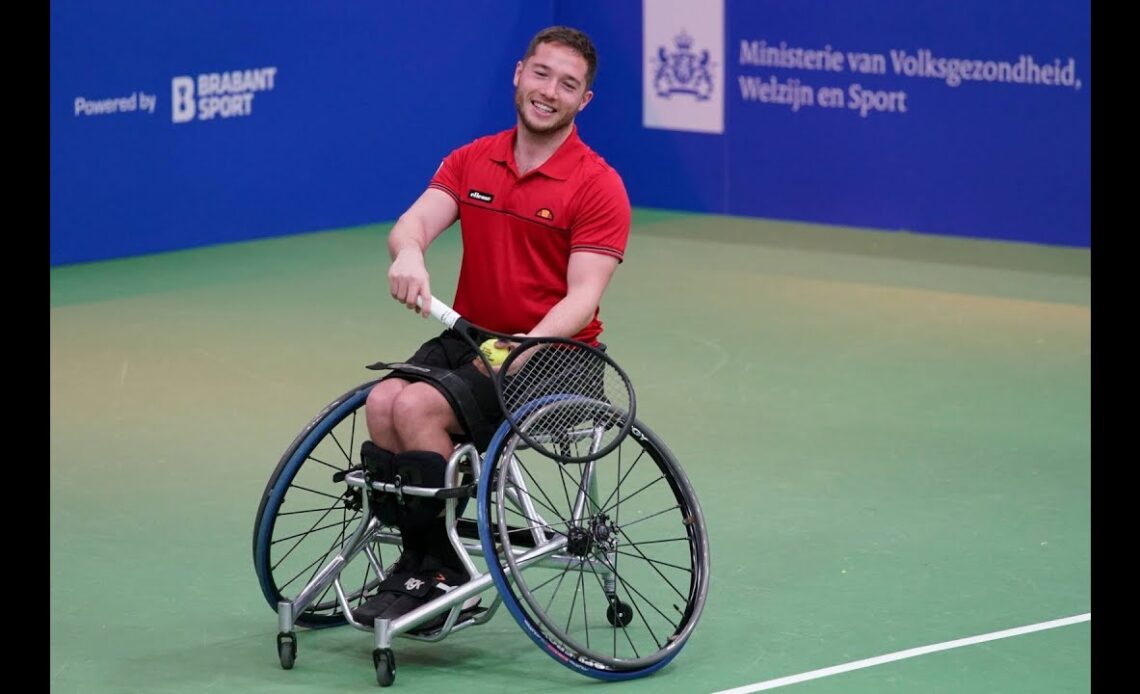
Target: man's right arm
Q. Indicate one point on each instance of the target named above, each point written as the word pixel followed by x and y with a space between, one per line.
pixel 413 232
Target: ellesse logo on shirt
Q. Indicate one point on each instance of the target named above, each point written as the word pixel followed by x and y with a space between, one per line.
pixel 480 195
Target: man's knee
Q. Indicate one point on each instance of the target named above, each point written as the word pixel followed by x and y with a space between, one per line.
pixel 418 404
pixel 381 397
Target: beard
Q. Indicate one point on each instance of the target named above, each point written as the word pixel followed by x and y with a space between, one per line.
pixel 522 105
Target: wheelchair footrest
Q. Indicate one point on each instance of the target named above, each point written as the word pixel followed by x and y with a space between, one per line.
pixel 432 627
pixel 469 529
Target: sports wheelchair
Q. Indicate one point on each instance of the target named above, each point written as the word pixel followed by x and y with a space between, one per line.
pixel 604 565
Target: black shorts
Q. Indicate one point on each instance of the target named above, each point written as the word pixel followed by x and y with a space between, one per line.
pixel 451 352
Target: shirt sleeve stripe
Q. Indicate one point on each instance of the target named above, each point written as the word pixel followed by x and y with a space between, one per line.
pixel 445 189
pixel 604 250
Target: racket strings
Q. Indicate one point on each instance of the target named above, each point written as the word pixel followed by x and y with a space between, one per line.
pixel 568 398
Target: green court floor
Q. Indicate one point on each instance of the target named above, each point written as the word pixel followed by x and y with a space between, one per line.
pixel 889 433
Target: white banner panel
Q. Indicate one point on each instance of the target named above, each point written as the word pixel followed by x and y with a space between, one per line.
pixel 683 65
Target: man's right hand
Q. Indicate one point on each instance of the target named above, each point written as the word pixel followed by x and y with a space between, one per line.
pixel 408 281
pixel 412 233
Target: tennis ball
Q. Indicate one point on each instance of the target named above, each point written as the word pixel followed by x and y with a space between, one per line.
pixel 494 354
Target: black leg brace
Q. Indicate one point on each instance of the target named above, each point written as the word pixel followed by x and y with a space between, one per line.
pixel 377 463
pixel 429 565
pixel 420 518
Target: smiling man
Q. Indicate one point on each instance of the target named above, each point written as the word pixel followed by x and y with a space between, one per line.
pixel 544 222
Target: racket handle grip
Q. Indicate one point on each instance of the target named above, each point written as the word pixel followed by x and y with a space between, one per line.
pixel 441 312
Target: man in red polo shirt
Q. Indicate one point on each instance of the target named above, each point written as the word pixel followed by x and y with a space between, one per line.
pixel 544 222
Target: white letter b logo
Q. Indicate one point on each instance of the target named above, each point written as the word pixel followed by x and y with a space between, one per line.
pixel 182 91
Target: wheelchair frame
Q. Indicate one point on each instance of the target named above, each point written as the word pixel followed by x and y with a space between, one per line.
pixel 586 537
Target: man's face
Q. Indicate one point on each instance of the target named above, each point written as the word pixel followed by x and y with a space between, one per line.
pixel 550 88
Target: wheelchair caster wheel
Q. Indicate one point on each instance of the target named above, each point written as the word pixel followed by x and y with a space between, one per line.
pixel 385 662
pixel 287 649
pixel 619 614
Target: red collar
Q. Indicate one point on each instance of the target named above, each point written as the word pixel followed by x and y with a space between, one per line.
pixel 560 164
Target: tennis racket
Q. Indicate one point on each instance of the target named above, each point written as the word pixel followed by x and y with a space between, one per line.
pixel 565 399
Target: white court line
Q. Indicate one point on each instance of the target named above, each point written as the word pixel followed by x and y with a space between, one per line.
pixel 909 653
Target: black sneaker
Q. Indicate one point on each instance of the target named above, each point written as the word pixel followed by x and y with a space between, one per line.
pixel 446 580
pixel 409 586
pixel 407 566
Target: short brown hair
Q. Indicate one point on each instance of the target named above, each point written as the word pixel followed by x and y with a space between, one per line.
pixel 572 39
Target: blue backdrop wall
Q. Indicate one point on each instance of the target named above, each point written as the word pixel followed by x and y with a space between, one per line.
pixel 339 114
pixel 192 122
pixel 969 118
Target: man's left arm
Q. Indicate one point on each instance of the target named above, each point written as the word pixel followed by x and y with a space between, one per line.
pixel 598 239
pixel 587 276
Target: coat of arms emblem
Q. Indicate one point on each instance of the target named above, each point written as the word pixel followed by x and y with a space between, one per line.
pixel 683 72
